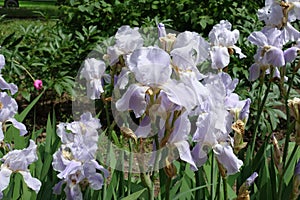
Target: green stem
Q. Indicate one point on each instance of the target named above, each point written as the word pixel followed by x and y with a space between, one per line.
pixel 109 145
pixel 25 70
pixel 219 187
pixel 287 139
pixel 157 152
pixel 121 173
pixel 130 167
pixel 225 188
pixel 198 184
pixel 168 186
pixel 212 176
pixel 259 113
pixel 148 183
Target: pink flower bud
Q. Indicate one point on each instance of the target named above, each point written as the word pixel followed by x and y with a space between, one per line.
pixel 38 84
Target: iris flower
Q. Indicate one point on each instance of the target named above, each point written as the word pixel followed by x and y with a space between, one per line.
pixel 8 108
pixel 152 70
pixel 17 161
pixel 93 71
pixel 3 84
pixel 75 160
pixel 223 40
pixel 280 14
pixel 127 40
pixel 214 125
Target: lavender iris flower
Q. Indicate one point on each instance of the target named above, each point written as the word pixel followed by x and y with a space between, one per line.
pixel 93 71
pixel 179 137
pixel 269 52
pixel 239 109
pixel 17 161
pixel 127 40
pixel 291 53
pixel 3 84
pixel 8 108
pixel 251 179
pixel 280 15
pixel 161 30
pixel 152 70
pixel 222 39
pixel 189 50
pixel 75 160
pixel 214 125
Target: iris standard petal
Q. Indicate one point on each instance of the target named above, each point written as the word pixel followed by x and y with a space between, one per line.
pixel 128 39
pixel 258 38
pixel 161 30
pixel 229 83
pixel 150 65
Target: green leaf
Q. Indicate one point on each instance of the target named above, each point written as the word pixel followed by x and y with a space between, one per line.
pixel 182 194
pixel 46 165
pixel 58 88
pixel 17 179
pixel 7 39
pixel 49 133
pixel 16 42
pixel 20 117
pixel 135 195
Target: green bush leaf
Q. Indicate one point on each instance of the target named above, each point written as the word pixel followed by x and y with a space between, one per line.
pixel 135 195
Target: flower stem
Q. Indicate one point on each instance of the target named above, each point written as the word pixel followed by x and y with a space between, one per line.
pixel 25 70
pixel 225 188
pixel 198 184
pixel 287 139
pixel 212 176
pixel 130 167
pixel 259 113
pixel 168 186
pixel 148 183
